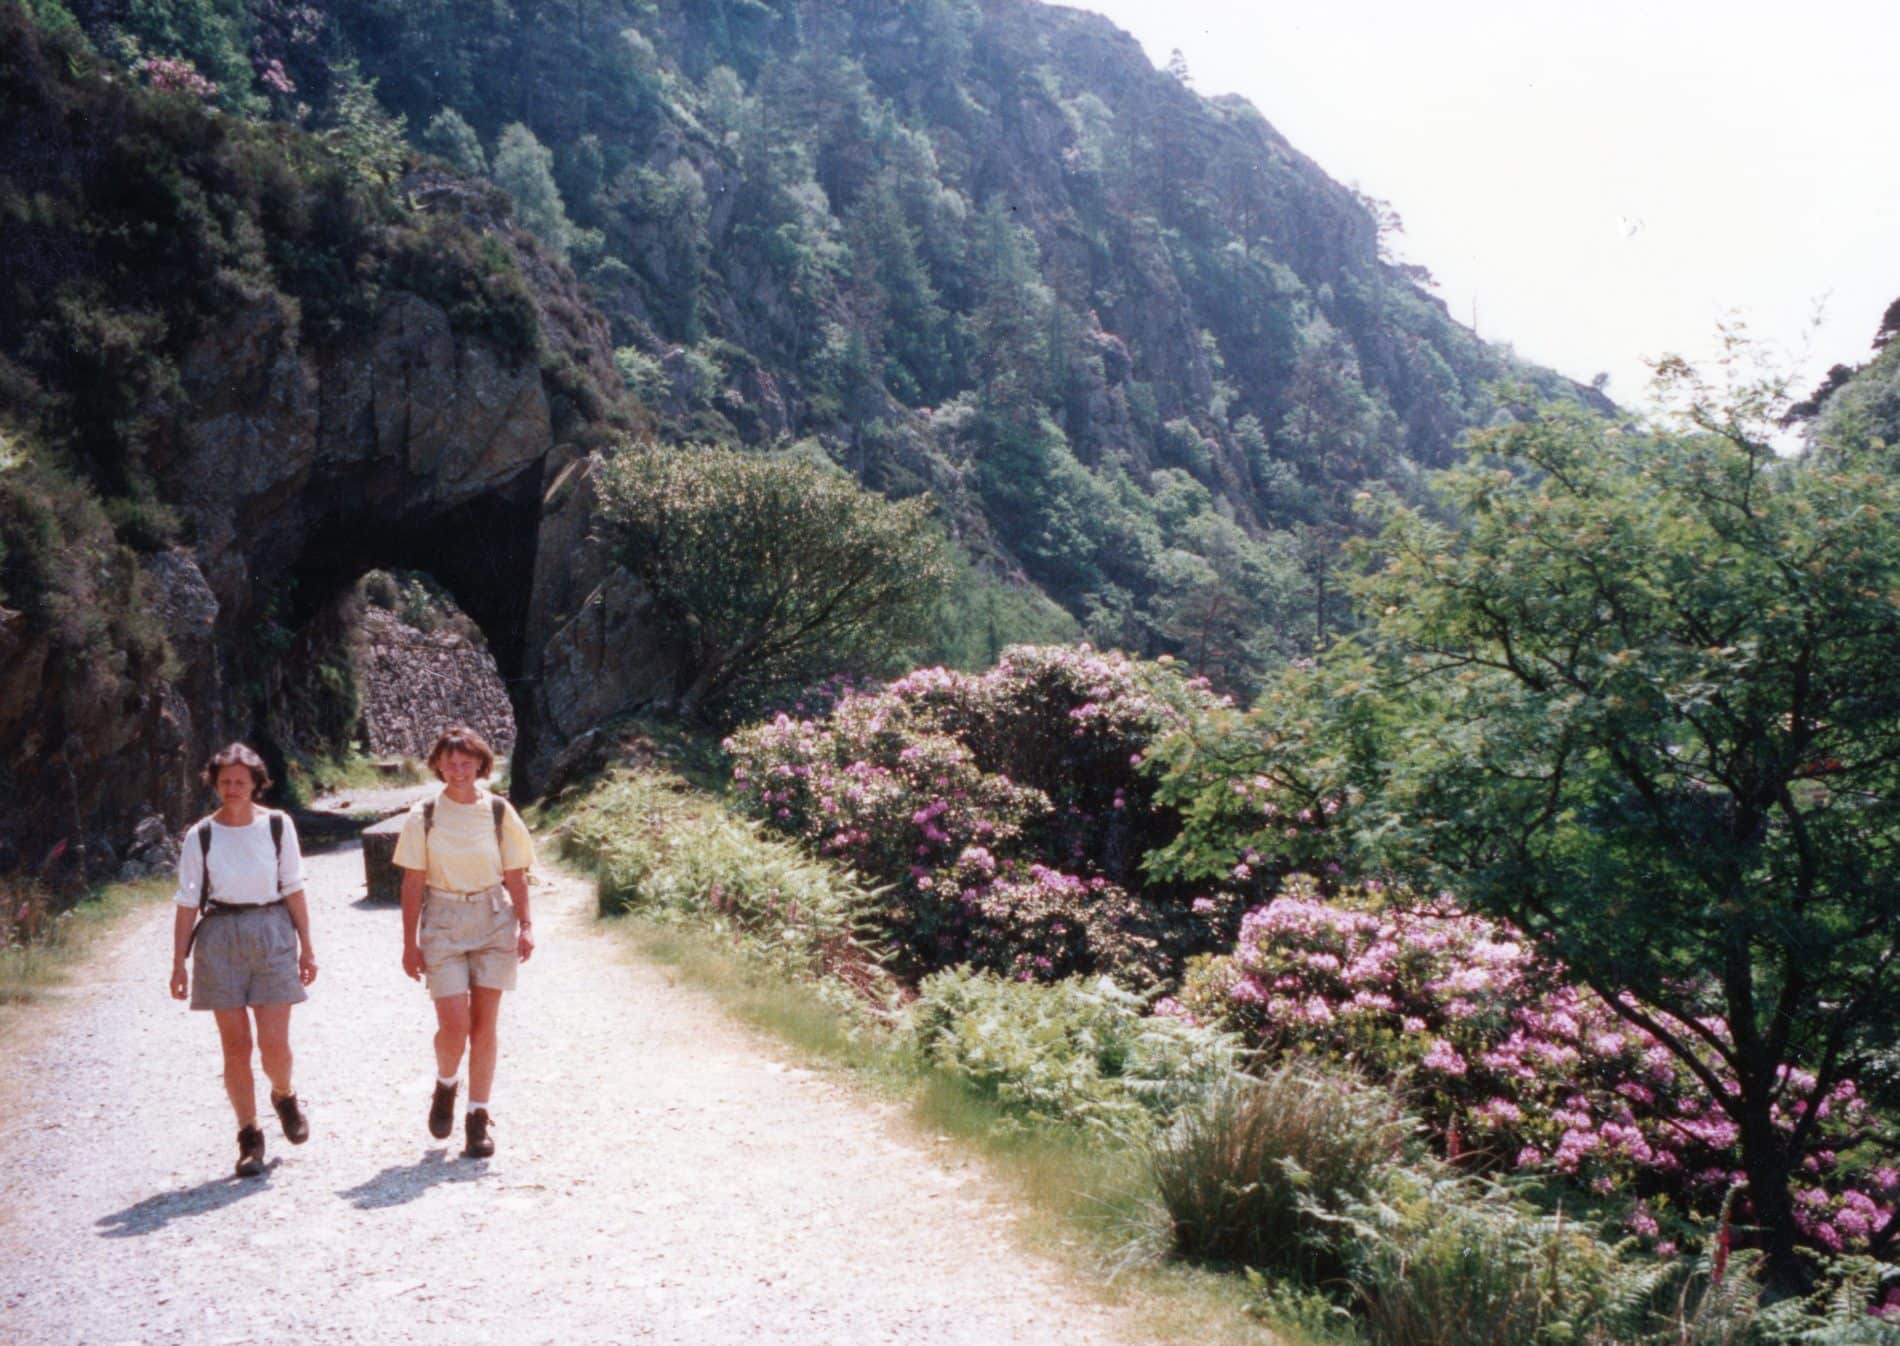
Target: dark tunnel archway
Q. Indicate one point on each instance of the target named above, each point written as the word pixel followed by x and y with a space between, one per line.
pixel 482 550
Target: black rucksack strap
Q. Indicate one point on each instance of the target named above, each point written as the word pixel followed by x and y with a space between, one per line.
pixel 204 860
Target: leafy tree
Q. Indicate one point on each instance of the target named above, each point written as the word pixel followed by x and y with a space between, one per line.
pixel 361 133
pixel 889 273
pixel 1332 432
pixel 1013 320
pixel 450 136
pixel 52 15
pixel 525 168
pixel 1889 326
pixel 1639 700
pixel 776 571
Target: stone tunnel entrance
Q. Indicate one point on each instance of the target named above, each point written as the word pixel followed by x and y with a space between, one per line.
pixel 395 628
pixel 296 468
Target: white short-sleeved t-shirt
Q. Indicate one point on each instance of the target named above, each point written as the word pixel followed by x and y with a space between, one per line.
pixel 459 852
pixel 245 868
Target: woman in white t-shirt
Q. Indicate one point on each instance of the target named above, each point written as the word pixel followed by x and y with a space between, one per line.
pixel 465 855
pixel 242 920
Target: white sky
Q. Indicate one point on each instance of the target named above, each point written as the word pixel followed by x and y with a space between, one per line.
pixel 1757 147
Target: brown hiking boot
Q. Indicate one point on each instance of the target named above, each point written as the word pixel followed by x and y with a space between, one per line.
pixel 250 1161
pixel 290 1113
pixel 442 1110
pixel 480 1144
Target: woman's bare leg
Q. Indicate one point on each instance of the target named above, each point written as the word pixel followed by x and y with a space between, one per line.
pixel 234 1036
pixel 273 1045
pixel 484 1014
pixel 451 1033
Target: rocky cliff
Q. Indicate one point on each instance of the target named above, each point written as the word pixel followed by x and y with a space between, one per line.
pixel 381 374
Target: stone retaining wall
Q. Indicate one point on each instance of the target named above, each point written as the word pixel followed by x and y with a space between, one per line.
pixel 413 683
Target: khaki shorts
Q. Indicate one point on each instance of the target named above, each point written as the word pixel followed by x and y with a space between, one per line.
pixel 468 941
pixel 244 958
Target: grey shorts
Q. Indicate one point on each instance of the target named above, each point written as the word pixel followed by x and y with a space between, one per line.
pixel 468 942
pixel 244 958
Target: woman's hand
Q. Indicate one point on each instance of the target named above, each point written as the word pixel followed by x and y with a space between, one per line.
pixel 412 961
pixel 307 967
pixel 181 983
pixel 524 941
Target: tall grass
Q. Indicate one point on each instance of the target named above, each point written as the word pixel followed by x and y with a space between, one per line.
pixel 40 938
pixel 1245 1175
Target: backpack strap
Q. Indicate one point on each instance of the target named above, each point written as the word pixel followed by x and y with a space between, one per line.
pixel 203 830
pixel 500 807
pixel 204 861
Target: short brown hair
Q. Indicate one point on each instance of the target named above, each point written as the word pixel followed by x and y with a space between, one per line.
pixel 237 754
pixel 460 738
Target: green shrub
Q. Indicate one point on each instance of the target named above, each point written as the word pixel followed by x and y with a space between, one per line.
pixel 1249 1174
pixel 1069 1051
pixel 774 571
pixel 643 375
pixel 61 565
pixel 472 277
pixel 675 856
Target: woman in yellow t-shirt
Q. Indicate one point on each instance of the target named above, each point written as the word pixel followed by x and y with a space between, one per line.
pixel 465 855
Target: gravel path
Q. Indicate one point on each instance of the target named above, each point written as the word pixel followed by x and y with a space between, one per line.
pixel 658 1178
pixel 378 801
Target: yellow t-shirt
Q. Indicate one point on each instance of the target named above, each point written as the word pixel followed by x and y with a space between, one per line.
pixel 459 853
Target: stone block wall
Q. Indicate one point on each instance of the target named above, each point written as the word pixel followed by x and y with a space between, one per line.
pixel 413 683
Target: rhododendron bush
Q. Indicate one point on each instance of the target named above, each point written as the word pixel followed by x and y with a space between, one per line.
pixel 1006 810
pixel 1515 1068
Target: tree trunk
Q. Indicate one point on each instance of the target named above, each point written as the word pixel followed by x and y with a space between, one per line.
pixel 705 682
pixel 1770 1168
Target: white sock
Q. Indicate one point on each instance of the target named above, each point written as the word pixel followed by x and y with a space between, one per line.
pixel 449 1081
pixel 482 1106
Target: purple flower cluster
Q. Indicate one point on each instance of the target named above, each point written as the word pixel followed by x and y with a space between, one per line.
pixel 1512 1066
pixel 1005 809
pixel 174 74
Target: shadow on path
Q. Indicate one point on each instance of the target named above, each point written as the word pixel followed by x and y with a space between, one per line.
pixel 155 1212
pixel 405 1182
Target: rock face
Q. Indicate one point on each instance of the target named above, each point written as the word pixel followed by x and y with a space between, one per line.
pixel 601 649
pixel 153 851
